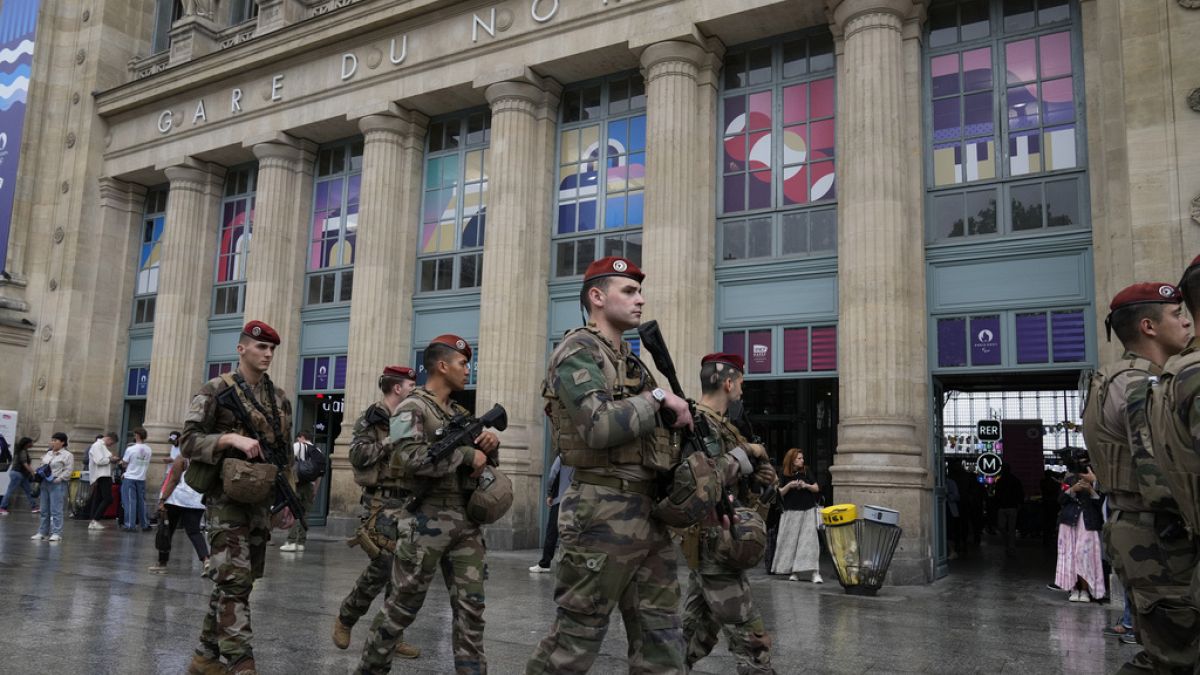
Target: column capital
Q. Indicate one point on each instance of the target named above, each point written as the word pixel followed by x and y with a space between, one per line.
pixel 400 123
pixel 523 96
pixel 285 149
pixel 119 194
pixel 193 174
pixel 842 12
pixel 673 51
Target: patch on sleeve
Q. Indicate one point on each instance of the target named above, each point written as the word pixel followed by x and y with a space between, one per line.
pixel 580 376
pixel 401 425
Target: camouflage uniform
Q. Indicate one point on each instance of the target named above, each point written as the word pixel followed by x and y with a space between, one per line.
pixel 612 554
pixel 237 533
pixel 439 531
pixel 718 596
pixel 1153 549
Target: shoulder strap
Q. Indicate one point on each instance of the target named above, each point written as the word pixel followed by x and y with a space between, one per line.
pixel 244 392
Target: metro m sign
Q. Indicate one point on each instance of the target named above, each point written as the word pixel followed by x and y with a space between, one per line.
pixel 988 431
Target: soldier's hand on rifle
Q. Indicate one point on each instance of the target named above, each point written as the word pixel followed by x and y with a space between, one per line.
pixel 679 406
pixel 284 520
pixel 248 446
pixel 477 463
pixel 488 442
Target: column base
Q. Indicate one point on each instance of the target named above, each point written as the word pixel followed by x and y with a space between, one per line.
pixel 900 489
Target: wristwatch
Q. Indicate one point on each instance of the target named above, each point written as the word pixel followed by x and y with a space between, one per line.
pixel 659 395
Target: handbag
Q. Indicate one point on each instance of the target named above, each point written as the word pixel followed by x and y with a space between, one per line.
pixel 43 473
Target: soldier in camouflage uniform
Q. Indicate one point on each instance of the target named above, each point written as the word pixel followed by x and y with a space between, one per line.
pixel 1149 321
pixel 440 528
pixel 603 407
pixel 718 596
pixel 370 452
pixel 237 532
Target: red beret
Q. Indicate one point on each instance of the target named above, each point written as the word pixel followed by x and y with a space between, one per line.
pixel 454 342
pixel 261 332
pixel 612 266
pixel 726 358
pixel 400 371
pixel 1148 292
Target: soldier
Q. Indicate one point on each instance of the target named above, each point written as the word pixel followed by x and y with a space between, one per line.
pixel 439 528
pixel 1165 418
pixel 221 445
pixel 370 452
pixel 1149 321
pixel 718 594
pixel 603 406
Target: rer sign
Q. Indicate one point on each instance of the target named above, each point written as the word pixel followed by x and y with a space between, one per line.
pixel 988 431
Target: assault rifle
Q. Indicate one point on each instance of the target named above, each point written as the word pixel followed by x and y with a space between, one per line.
pixel 691 441
pixel 461 430
pixel 284 495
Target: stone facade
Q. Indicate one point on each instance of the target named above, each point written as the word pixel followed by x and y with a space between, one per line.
pixel 310 73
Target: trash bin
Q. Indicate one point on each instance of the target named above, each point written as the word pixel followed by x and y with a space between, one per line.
pixel 861 545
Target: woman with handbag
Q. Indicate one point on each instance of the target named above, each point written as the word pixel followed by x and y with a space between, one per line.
pixel 178 503
pixel 797 549
pixel 54 473
pixel 20 476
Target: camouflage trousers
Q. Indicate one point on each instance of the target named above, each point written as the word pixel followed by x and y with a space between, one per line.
pixel 716 601
pixel 237 537
pixel 612 555
pixel 1157 573
pixel 427 540
pixel 376 577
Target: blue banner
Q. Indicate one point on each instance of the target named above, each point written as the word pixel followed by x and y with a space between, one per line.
pixel 18 25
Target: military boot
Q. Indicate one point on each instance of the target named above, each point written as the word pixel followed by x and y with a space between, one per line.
pixel 341 634
pixel 244 667
pixel 205 665
pixel 407 651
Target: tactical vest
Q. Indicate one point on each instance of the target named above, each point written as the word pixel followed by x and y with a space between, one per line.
pixel 1169 411
pixel 205 478
pixel 728 437
pixel 435 418
pixel 377 419
pixel 1110 453
pixel 625 377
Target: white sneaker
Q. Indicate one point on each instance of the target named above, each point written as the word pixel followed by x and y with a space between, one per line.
pixel 38 537
pixel 816 578
pixel 794 577
pixel 55 537
pixel 538 569
pixel 1075 596
pixel 288 548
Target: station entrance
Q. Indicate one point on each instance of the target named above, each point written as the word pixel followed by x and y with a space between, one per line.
pixel 796 413
pixel 1039 415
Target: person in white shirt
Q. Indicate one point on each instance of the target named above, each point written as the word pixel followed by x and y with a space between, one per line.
pixel 133 485
pixel 179 503
pixel 54 487
pixel 305 491
pixel 100 460
pixel 173 439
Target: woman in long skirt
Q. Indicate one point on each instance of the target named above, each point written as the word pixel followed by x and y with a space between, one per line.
pixel 1080 570
pixel 797 549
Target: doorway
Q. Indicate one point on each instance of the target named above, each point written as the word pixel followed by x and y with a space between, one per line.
pixel 797 413
pixel 133 417
pixel 321 414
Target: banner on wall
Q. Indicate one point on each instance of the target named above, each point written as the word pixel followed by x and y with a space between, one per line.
pixel 8 426
pixel 18 26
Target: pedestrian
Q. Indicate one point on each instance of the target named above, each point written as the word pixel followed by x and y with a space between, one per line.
pixel 718 595
pixel 438 527
pixel 100 462
pixel 60 463
pixel 20 475
pixel 1149 321
pixel 219 442
pixel 603 404
pixel 1009 495
pixel 173 439
pixel 558 481
pixel 179 504
pixel 1050 487
pixel 133 484
pixel 1079 569
pixel 797 551
pixel 370 450
pixel 956 512
pixel 306 491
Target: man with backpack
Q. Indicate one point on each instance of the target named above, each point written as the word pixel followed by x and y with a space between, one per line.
pixel 311 464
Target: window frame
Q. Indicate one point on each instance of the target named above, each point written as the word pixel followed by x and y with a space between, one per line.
pixel 222 289
pixel 143 306
pixel 338 278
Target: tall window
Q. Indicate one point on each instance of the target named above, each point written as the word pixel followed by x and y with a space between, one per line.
pixel 146 287
pixel 1005 139
pixel 334 222
pixel 166 12
pixel 233 242
pixel 778 131
pixel 601 173
pixel 450 255
pixel 241 11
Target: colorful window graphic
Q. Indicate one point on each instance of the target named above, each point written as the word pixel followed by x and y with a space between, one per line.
pixel 806 349
pixel 601 173
pixel 323 373
pixel 1039 337
pixel 136 382
pixel 237 219
pixel 149 253
pixel 335 206
pixel 454 215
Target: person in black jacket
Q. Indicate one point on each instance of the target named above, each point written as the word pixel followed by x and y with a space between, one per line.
pixel 1009 495
pixel 1080 520
pixel 20 475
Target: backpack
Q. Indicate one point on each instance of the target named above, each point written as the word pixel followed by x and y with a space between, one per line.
pixel 6 457
pixel 312 466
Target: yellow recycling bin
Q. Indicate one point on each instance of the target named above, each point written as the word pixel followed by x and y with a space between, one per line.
pixel 841 541
pixel 861 545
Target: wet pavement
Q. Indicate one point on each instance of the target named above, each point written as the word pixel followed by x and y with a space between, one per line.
pixel 88 605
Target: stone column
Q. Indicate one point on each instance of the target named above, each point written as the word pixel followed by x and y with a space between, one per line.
pixel 188 247
pixel 513 300
pixel 679 236
pixel 275 264
pixel 381 320
pixel 882 455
